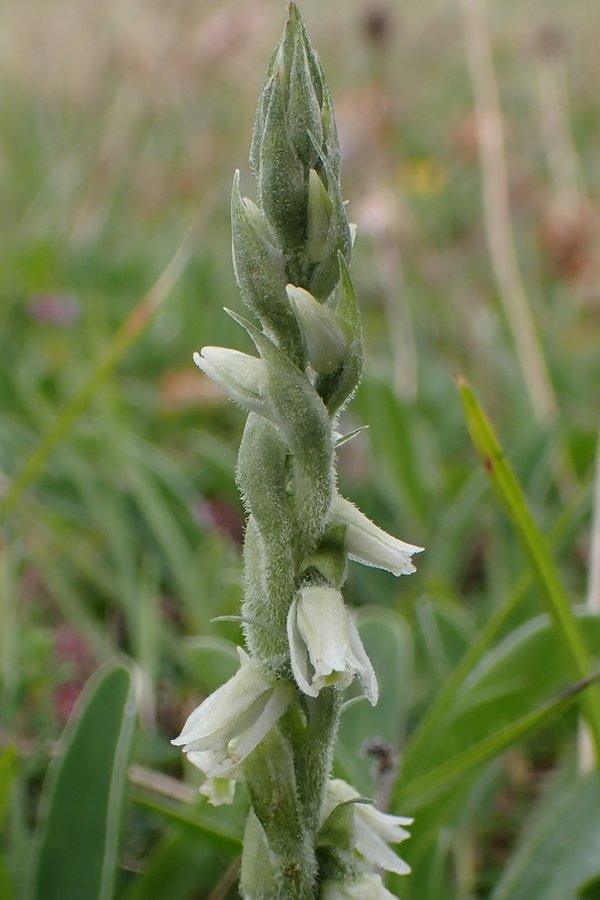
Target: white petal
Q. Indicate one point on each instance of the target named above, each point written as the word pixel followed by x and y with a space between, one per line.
pixel 323 624
pixel 204 759
pixel 216 719
pixel 366 887
pixel 388 827
pixel 369 544
pixel 365 670
pixel 279 700
pixel 375 850
pixel 299 654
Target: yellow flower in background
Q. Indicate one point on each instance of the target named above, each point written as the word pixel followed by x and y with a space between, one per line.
pixel 424 176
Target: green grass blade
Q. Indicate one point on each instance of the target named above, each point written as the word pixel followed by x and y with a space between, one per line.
pixel 137 321
pixel 77 842
pixel 512 498
pixel 445 698
pixel 420 791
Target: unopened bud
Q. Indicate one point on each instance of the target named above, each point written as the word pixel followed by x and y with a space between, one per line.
pixel 318 217
pixel 243 377
pixel 327 336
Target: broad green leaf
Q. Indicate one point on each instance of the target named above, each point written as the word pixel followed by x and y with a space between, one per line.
pixel 388 643
pixel 512 498
pixel 560 849
pixel 77 841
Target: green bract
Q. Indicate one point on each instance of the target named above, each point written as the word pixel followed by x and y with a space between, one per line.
pixel 274 723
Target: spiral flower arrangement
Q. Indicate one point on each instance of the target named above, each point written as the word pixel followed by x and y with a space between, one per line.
pixel 273 725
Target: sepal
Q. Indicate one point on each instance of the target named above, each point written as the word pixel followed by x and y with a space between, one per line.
pixel 243 377
pixel 338 240
pixel 369 544
pixel 326 334
pixel 338 389
pixel 318 217
pixel 259 269
pixel 297 409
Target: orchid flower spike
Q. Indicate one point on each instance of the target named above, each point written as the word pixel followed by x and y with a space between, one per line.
pixel 372 830
pixel 369 544
pixel 325 646
pixel 233 720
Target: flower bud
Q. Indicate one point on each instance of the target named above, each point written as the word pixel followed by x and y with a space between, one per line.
pixel 368 544
pixel 260 273
pixel 243 377
pixel 318 215
pixel 325 646
pixel 326 334
pixel 304 114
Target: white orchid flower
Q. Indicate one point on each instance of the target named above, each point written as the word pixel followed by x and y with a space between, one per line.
pixel 230 723
pixel 243 377
pixel 366 886
pixel 372 830
pixel 368 544
pixel 325 646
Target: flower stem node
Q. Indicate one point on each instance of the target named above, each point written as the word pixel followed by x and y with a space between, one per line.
pixel 369 544
pixel 327 336
pixel 233 720
pixel 325 646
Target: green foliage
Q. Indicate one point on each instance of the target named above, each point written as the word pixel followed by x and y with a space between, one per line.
pixel 78 838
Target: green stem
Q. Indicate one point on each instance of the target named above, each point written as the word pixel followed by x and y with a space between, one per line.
pixel 314 761
pixel 271 780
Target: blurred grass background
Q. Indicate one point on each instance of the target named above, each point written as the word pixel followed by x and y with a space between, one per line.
pixel 121 123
